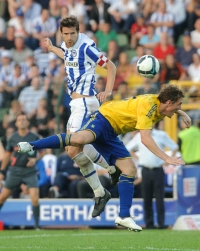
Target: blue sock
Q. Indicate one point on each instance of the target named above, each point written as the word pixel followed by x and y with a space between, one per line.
pixel 54 142
pixel 126 191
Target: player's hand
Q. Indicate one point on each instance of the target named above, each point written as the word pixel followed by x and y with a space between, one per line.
pixel 187 120
pixel 176 161
pixel 47 43
pixel 31 162
pixel 102 96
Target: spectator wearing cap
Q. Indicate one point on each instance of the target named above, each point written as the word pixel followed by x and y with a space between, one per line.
pixel 18 23
pixel 7 42
pixel 53 68
pixel 43 26
pixel 195 34
pixel 177 9
pixel 122 14
pixel 138 29
pixel 41 57
pixel 150 40
pixel 20 51
pixel 184 53
pixel 162 20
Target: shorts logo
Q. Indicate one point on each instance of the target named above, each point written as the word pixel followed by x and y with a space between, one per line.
pixel 73 53
pixel 151 111
pixel 72 64
pixel 93 126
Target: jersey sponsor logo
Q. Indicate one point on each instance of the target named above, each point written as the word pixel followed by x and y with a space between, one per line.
pixel 72 64
pixel 151 111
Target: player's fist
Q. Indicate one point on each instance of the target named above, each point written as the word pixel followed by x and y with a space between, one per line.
pixel 47 43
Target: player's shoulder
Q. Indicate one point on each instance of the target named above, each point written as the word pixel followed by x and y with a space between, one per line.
pixel 85 39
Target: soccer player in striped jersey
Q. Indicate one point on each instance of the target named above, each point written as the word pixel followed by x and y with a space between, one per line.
pixel 119 117
pixel 81 56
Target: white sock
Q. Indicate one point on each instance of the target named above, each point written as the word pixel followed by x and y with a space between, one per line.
pixel 87 169
pixel 97 158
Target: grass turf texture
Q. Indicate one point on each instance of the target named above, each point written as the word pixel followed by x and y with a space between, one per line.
pixel 60 240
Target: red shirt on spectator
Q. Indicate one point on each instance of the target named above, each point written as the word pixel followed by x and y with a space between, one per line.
pixel 135 28
pixel 160 54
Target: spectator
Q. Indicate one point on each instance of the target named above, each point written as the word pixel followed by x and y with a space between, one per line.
pixel 99 14
pixel 153 174
pixel 27 64
pixel 189 144
pixel 30 96
pixel 2 27
pixel 162 20
pixel 150 40
pixel 7 42
pixel 122 91
pixel 18 23
pixel 104 36
pixel 54 10
pixel 195 34
pixel 163 48
pixel 138 29
pixel 194 68
pixel 172 70
pixel 147 7
pixel 113 51
pixel 20 51
pixel 192 9
pixel 184 53
pixel 53 68
pixel 122 15
pixel 66 178
pixel 147 87
pixel 76 8
pixel 43 26
pixel 177 9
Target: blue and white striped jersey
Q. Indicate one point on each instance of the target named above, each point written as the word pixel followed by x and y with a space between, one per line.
pixel 80 64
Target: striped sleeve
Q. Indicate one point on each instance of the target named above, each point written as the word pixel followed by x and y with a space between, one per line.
pixel 96 56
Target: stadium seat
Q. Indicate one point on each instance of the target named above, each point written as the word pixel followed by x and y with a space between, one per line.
pixel 131 53
pixel 122 41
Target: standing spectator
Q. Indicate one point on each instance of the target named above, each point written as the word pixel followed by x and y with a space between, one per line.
pixel 20 51
pixel 138 29
pixel 99 14
pixel 162 20
pixel 122 15
pixel 22 168
pixel 29 97
pixel 172 70
pixel 150 40
pixel 189 144
pixel 177 9
pixel 7 42
pixel 153 173
pixel 184 53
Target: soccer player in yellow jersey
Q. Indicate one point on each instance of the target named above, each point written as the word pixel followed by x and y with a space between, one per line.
pixel 102 129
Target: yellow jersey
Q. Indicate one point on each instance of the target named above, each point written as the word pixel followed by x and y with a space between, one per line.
pixel 135 113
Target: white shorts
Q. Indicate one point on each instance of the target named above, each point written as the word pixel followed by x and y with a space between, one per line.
pixel 80 109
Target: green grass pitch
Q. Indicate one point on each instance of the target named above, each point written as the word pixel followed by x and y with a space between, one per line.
pixel 95 239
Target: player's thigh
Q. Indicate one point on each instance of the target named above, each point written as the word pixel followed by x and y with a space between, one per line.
pixel 30 178
pixel 13 179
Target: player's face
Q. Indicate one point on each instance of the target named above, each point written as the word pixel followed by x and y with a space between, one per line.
pixel 70 36
pixel 22 122
pixel 171 107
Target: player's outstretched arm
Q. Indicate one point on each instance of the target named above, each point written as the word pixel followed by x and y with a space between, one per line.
pixel 111 72
pixel 51 48
pixel 149 142
pixel 186 119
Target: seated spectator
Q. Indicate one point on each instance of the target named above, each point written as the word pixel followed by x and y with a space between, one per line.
pixel 147 87
pixel 195 34
pixel 54 10
pixel 147 7
pixel 2 27
pixel 7 42
pixel 194 68
pixel 18 23
pixel 29 97
pixel 99 14
pixel 27 64
pixel 66 178
pixel 77 8
pixel 46 167
pixel 192 9
pixel 184 53
pixel 140 51
pixel 172 70
pixel 113 51
pixel 53 68
pixel 122 15
pixel 163 48
pixel 20 51
pixel 162 20
pixel 122 91
pixel 104 36
pixel 150 40
pixel 177 9
pixel 43 26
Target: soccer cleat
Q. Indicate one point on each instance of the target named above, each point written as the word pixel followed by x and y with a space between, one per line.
pixel 115 176
pixel 53 193
pixel 100 203
pixel 24 147
pixel 128 223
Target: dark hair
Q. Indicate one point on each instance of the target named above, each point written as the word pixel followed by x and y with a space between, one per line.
pixel 21 114
pixel 69 22
pixel 170 92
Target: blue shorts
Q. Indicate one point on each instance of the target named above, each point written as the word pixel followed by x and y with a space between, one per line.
pixel 106 140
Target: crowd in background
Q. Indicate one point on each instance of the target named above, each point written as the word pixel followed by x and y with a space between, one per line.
pixel 33 80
